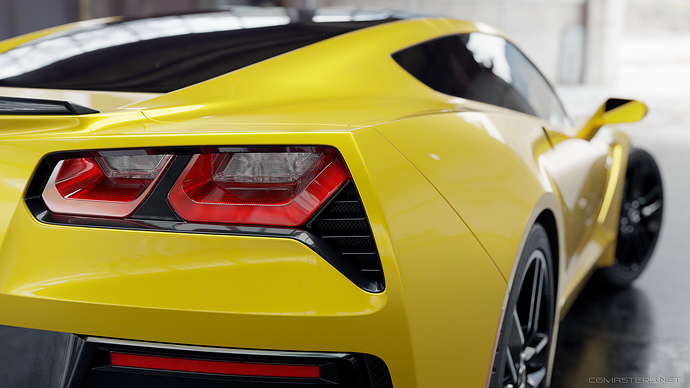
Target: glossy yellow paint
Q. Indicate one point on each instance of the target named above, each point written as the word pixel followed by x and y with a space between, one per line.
pixel 325 79
pixel 176 271
pixel 256 292
pixel 499 172
pixel 629 111
pixel 451 188
pixel 478 161
pixel 449 284
pixel 18 40
pixel 588 178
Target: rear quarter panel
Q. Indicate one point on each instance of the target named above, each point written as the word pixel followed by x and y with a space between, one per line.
pixel 486 165
pixel 500 170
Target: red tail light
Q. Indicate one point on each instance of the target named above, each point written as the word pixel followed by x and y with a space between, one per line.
pixel 216 367
pixel 111 184
pixel 268 185
pixel 260 185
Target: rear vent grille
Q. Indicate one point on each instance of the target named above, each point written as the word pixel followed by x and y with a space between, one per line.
pixel 344 227
pixel 342 223
pixel 378 372
pixel 345 207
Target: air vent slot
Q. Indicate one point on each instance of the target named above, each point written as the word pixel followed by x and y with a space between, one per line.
pixel 343 225
pixel 378 372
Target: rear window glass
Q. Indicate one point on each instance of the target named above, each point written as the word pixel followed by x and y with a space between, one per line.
pixel 484 68
pixel 166 53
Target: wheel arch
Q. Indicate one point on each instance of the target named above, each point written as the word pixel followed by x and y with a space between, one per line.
pixel 547 219
pixel 547 212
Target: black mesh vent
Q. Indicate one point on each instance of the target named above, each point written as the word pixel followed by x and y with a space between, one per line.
pixel 356 241
pixel 378 372
pixel 345 208
pixel 337 223
pixel 343 226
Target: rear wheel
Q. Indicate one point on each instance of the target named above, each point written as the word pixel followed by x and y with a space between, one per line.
pixel 522 354
pixel 640 222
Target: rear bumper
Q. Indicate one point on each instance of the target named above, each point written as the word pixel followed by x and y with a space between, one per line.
pixel 37 358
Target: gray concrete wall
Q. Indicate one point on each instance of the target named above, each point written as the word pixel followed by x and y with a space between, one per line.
pixel 658 16
pixel 21 16
pixel 605 26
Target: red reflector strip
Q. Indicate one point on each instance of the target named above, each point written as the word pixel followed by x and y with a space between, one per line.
pixel 217 367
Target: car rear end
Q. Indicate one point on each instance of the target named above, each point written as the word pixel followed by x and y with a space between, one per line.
pixel 235 239
pixel 241 240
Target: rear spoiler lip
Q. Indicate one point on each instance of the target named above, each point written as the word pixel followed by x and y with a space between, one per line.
pixel 35 106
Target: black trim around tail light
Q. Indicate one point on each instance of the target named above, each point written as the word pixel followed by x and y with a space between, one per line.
pixel 338 231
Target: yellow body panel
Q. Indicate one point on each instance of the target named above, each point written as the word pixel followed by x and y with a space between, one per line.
pixel 321 83
pixel 18 40
pixel 451 189
pixel 144 280
pixel 176 271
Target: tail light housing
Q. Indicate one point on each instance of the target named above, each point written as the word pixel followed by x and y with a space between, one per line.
pixel 108 184
pixel 303 193
pixel 280 186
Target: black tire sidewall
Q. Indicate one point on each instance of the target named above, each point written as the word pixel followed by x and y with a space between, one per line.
pixel 615 275
pixel 537 239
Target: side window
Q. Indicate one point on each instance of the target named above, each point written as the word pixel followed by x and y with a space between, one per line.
pixel 484 68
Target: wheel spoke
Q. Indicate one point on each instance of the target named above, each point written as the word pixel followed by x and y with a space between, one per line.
pixel 527 327
pixel 535 300
pixel 511 365
pixel 535 378
pixel 651 208
pixel 531 351
pixel 651 196
pixel 517 330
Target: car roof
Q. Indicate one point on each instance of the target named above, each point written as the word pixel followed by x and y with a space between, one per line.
pixel 350 79
pixel 338 80
pixel 167 52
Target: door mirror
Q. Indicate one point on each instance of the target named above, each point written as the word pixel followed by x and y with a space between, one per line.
pixel 613 111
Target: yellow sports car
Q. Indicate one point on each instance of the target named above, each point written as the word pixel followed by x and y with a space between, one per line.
pixel 270 197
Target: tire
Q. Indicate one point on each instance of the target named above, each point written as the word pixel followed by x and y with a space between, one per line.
pixel 522 353
pixel 640 222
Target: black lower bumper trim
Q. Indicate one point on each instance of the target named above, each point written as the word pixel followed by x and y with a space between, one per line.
pixel 45 359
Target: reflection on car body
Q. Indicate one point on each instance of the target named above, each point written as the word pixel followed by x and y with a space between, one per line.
pixel 271 196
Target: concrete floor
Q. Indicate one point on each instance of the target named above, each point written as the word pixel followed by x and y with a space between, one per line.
pixel 643 331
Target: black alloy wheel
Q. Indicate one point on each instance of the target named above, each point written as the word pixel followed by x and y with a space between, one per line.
pixel 522 353
pixel 640 221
